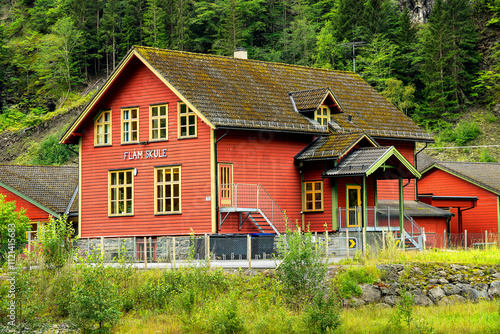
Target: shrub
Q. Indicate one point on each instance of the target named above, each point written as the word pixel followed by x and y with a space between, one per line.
pixel 13 227
pixel 55 241
pixel 303 268
pixel 51 152
pixel 95 297
pixel 225 319
pixel 346 282
pixel 322 315
pixel 486 156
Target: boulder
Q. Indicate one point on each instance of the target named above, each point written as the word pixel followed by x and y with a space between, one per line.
pixel 422 300
pixel 497 275
pixel 370 293
pixel 443 280
pixel 391 300
pixel 436 294
pixel 451 300
pixel 494 290
pixel 450 289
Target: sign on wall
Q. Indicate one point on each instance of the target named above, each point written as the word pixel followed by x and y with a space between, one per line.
pixel 145 154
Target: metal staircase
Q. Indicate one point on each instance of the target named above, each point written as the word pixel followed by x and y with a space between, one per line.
pixel 254 201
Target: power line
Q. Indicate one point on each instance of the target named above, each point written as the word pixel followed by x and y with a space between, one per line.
pixel 450 147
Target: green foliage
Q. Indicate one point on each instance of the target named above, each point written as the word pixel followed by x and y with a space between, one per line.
pixel 323 315
pixel 400 96
pixel 462 134
pixel 488 80
pixel 303 268
pixel 51 152
pixel 95 305
pixel 486 156
pixel 55 241
pixel 225 318
pixel 13 227
pixel 346 282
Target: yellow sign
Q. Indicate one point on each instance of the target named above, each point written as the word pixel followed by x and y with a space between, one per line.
pixel 352 243
pixel 397 242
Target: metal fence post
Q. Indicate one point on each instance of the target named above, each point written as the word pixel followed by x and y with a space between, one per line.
pixel 173 252
pixel 403 239
pixel 485 239
pixel 207 247
pixel 347 242
pixel 145 253
pixel 423 237
pixel 102 247
pixel 326 244
pixel 465 241
pixel 383 238
pixel 249 251
pixel 444 238
pixel 364 240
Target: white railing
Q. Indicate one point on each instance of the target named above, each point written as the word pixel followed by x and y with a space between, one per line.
pixel 253 198
pixel 380 219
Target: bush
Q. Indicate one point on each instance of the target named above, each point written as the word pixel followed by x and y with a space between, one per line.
pixel 51 152
pixel 13 227
pixel 462 134
pixel 225 318
pixel 346 282
pixel 55 241
pixel 95 305
pixel 323 315
pixel 303 268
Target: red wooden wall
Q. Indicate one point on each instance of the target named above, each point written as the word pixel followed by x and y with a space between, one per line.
pixel 138 86
pixel 265 158
pixel 34 213
pixel 477 220
pixel 389 189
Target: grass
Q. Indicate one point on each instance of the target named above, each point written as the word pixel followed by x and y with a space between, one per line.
pixel 481 317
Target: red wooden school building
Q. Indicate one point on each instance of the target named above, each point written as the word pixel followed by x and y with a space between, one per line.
pixel 178 142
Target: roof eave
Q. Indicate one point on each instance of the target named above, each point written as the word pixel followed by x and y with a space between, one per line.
pixel 29 199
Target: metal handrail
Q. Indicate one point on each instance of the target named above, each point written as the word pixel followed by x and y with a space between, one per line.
pixel 256 198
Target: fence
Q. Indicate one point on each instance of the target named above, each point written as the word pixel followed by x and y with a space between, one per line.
pixel 464 240
pixel 230 251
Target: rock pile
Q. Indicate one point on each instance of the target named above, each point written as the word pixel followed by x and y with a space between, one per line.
pixel 430 284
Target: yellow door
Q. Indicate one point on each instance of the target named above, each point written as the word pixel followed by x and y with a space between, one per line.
pixel 226 185
pixel 353 204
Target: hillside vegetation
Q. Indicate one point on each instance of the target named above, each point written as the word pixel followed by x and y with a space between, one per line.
pixel 443 70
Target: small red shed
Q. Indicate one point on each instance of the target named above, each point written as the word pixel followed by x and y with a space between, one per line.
pixel 468 189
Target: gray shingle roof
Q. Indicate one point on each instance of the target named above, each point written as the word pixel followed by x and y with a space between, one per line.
pixel 330 147
pixel 485 175
pixel 233 92
pixel 50 186
pixel 358 162
pixel 412 208
pixel 309 99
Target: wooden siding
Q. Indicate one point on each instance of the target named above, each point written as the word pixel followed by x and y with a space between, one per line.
pixel 316 220
pixel 138 86
pixel 389 189
pixel 477 220
pixel 264 158
pixel 33 212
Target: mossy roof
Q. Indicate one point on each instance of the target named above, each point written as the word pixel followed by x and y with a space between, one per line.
pixel 49 187
pixel 241 93
pixel 332 146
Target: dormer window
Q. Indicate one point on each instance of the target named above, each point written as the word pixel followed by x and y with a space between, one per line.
pixel 322 115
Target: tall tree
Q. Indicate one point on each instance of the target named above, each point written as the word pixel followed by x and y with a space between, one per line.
pixel 154 23
pixel 110 31
pixel 449 56
pixel 377 61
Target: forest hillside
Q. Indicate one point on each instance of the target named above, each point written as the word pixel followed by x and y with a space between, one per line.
pixel 437 61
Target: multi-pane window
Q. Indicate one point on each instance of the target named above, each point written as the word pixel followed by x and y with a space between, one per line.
pixel 159 122
pixel 102 129
pixel 187 122
pixel 168 190
pixel 322 115
pixel 130 125
pixel 313 192
pixel 121 192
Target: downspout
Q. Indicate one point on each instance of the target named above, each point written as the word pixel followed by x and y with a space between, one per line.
pixel 217 178
pixel 416 167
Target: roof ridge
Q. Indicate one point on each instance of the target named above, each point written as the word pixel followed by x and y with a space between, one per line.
pixel 468 162
pixel 136 47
